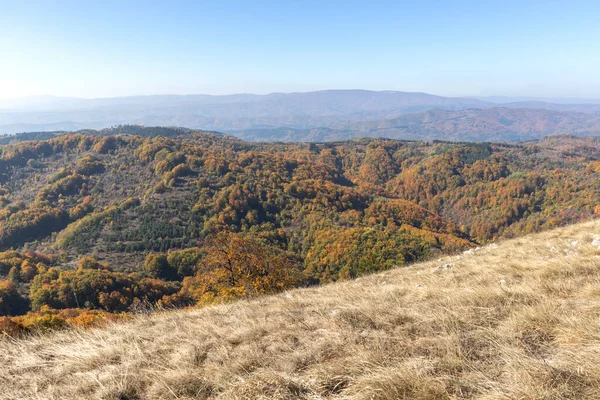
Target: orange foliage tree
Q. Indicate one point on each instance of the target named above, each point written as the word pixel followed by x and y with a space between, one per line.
pixel 237 265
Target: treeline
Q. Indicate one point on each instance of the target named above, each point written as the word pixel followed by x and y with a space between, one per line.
pixel 135 130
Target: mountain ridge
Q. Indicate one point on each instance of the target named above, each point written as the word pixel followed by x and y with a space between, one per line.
pixel 237 97
pixel 498 124
pixel 345 114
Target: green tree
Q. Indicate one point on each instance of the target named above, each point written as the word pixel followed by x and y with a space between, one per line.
pixel 11 302
pixel 157 266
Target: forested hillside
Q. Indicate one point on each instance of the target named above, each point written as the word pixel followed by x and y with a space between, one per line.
pixel 116 223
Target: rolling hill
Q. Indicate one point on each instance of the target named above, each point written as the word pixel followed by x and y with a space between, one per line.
pixel 313 116
pixel 223 113
pixel 517 319
pixel 67 194
pixel 498 124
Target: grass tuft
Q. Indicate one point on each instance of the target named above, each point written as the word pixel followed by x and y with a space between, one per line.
pixel 516 321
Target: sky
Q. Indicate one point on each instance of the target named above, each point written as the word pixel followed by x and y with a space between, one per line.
pixel 453 48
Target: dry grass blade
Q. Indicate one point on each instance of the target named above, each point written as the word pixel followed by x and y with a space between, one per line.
pixel 517 321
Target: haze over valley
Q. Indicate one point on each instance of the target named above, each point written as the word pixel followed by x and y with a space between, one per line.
pixel 314 116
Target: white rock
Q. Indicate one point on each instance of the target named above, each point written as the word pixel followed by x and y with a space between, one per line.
pixel 568 252
pixel 439 267
pixel 289 296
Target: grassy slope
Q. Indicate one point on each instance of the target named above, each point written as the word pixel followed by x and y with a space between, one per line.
pixel 519 321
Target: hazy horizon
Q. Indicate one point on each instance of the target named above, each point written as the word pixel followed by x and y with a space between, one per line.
pixel 494 98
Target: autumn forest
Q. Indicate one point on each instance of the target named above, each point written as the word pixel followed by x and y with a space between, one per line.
pixel 97 225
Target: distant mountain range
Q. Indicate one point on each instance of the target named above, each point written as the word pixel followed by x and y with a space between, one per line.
pixel 313 116
pixel 471 125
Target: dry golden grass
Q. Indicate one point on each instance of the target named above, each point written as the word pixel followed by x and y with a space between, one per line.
pixel 516 321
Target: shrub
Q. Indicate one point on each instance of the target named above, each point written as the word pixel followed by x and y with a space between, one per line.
pixel 105 144
pixel 88 262
pixel 89 165
pixel 157 266
pixel 11 302
pixel 95 289
pixel 63 173
pixel 185 261
pixel 235 266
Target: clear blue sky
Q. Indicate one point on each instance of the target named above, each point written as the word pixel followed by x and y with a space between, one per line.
pixel 115 48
